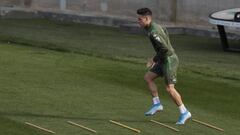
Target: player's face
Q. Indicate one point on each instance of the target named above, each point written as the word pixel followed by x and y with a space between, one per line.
pixel 143 21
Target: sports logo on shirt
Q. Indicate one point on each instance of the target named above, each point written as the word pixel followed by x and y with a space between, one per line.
pixel 156 37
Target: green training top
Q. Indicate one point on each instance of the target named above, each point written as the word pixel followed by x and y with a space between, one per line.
pixel 160 41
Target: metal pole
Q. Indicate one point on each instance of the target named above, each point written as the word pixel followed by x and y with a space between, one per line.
pixel 63 4
pixel 223 37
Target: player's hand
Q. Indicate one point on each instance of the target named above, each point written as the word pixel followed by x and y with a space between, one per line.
pixel 150 63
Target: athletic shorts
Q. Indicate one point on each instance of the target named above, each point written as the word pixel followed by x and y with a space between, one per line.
pixel 167 69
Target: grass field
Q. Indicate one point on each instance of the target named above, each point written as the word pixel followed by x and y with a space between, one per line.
pixel 52 72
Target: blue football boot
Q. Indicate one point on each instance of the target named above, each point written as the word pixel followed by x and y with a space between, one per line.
pixel 155 108
pixel 183 118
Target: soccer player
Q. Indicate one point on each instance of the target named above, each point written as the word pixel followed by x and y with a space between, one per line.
pixel 163 64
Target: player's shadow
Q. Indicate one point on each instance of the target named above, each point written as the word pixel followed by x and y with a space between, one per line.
pixel 26 114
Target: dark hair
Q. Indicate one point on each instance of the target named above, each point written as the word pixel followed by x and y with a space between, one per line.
pixel 144 11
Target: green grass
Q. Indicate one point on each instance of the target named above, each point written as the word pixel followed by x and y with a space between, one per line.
pixel 195 52
pixel 10 127
pixel 103 79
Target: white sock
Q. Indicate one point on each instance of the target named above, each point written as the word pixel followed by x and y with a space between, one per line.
pixel 182 109
pixel 156 100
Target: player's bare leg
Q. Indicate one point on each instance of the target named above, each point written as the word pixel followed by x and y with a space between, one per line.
pixel 174 94
pixel 149 78
pixel 184 113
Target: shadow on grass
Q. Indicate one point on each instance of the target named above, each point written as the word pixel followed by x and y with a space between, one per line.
pixel 25 114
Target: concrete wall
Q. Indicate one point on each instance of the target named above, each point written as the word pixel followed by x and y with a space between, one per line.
pixel 180 11
pixel 9 3
pixel 197 11
pixel 122 8
pixel 163 9
pixel 45 4
pixel 15 3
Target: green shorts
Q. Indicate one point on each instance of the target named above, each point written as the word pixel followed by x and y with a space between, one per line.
pixel 167 69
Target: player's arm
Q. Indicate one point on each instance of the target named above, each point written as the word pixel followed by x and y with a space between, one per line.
pixel 150 63
pixel 158 44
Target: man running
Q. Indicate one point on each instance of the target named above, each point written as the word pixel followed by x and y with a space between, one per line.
pixel 163 64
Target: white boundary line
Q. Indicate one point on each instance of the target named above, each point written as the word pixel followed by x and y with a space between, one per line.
pixel 208 125
pixel 164 125
pixel 38 127
pixel 81 126
pixel 125 126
